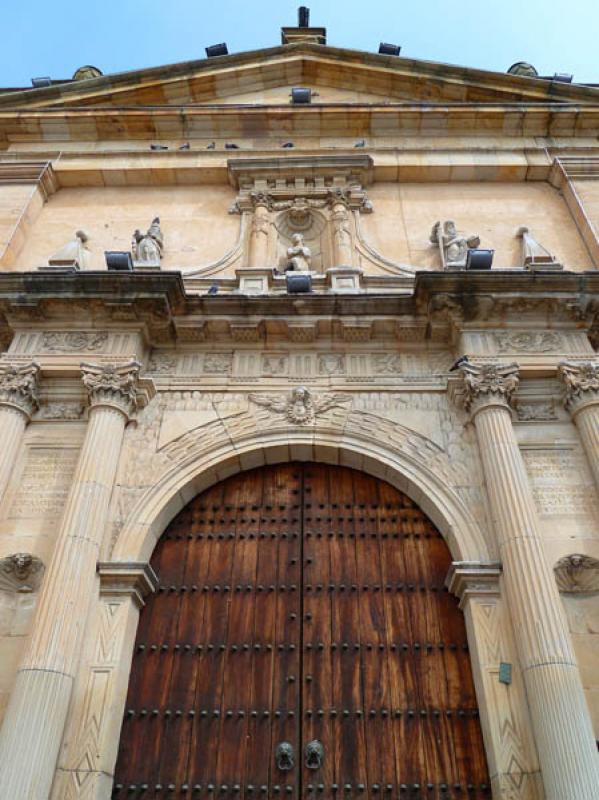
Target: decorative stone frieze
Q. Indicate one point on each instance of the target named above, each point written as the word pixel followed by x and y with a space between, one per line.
pixel 488 384
pixel 21 573
pixel 18 387
pixel 577 574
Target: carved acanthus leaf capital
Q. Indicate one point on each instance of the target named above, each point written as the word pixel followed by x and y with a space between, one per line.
pixel 581 381
pixel 18 387
pixel 488 384
pixel 112 385
pixel 577 574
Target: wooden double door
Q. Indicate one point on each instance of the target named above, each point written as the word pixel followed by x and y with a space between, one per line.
pixel 301 644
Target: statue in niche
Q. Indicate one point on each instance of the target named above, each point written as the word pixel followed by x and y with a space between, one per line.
pixel 74 254
pixel 299 255
pixel 148 247
pixel 534 255
pixel 453 246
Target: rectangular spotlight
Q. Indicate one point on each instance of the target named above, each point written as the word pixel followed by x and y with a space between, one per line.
pixel 39 83
pixel 386 49
pixel 563 77
pixel 301 97
pixel 118 261
pixel 298 283
pixel 479 259
pixel 217 50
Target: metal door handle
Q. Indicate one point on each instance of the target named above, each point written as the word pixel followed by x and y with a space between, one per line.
pixel 285 756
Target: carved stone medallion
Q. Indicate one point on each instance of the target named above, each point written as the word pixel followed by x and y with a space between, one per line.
pixel 577 574
pixel 300 407
pixel 20 572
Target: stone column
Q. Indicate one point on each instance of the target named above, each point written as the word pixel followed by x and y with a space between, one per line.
pixel 260 231
pixel 18 401
pixel 582 401
pixel 342 249
pixel 559 713
pixel 35 718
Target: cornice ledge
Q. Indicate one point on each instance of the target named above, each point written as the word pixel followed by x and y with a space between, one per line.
pixel 358 166
pixel 474 579
pixel 127 579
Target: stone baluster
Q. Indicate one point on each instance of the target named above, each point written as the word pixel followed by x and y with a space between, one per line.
pixel 18 401
pixel 559 713
pixel 582 401
pixel 260 231
pixel 342 246
pixel 33 727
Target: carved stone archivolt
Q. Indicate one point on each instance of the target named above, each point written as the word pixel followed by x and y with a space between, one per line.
pixel 19 387
pixel 21 573
pixel 577 574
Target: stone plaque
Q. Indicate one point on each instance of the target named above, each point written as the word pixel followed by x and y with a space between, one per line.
pixel 562 483
pixel 45 482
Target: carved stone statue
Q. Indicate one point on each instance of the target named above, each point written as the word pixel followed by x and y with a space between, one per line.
pixel 148 247
pixel 453 246
pixel 577 574
pixel 534 255
pixel 299 255
pixel 73 254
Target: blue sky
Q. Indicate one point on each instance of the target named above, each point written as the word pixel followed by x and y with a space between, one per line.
pixel 54 37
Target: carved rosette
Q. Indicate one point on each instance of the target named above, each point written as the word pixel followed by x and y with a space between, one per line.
pixel 581 381
pixel 18 387
pixel 112 385
pixel 488 384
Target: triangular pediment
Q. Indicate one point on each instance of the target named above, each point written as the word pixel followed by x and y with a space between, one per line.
pixel 265 77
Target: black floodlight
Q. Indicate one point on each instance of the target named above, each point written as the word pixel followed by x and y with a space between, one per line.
pixel 301 96
pixel 39 83
pixel 118 261
pixel 217 50
pixel 303 17
pixel 386 49
pixel 563 77
pixel 298 283
pixel 479 259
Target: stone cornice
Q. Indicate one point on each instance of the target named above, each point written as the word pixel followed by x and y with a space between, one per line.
pixel 127 579
pixel 473 579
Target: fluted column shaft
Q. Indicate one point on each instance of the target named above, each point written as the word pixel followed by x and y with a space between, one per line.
pixel 32 731
pixel 559 713
pixel 18 400
pixel 582 400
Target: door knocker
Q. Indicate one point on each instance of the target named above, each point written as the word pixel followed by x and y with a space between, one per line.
pixel 314 754
pixel 285 757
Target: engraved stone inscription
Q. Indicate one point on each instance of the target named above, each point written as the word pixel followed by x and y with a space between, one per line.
pixel 45 482
pixel 562 483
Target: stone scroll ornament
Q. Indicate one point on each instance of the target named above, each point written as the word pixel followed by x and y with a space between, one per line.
pixel 301 407
pixel 112 385
pixel 581 381
pixel 577 574
pixel 21 573
pixel 453 246
pixel 18 387
pixel 488 383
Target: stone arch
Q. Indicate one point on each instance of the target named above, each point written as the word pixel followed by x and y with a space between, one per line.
pixel 177 486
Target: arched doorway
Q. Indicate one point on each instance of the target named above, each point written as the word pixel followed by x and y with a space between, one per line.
pixel 301 603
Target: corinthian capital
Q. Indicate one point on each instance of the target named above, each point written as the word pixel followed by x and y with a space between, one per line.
pixel 18 387
pixel 488 384
pixel 581 381
pixel 112 385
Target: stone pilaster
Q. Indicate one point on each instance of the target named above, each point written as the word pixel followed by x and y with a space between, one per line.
pixel 36 714
pixel 581 382
pixel 260 230
pixel 342 245
pixel 559 713
pixel 18 401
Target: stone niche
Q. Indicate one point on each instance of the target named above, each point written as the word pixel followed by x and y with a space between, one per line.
pixel 316 197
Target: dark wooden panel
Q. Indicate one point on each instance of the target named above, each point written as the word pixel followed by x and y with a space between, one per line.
pixel 301 602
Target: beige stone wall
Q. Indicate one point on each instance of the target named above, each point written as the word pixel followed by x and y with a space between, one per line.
pixel 405 213
pixel 583 619
pixel 199 230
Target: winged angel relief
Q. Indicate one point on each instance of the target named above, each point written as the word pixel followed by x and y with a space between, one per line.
pixel 301 407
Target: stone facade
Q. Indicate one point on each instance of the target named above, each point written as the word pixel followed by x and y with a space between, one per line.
pixel 125 393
